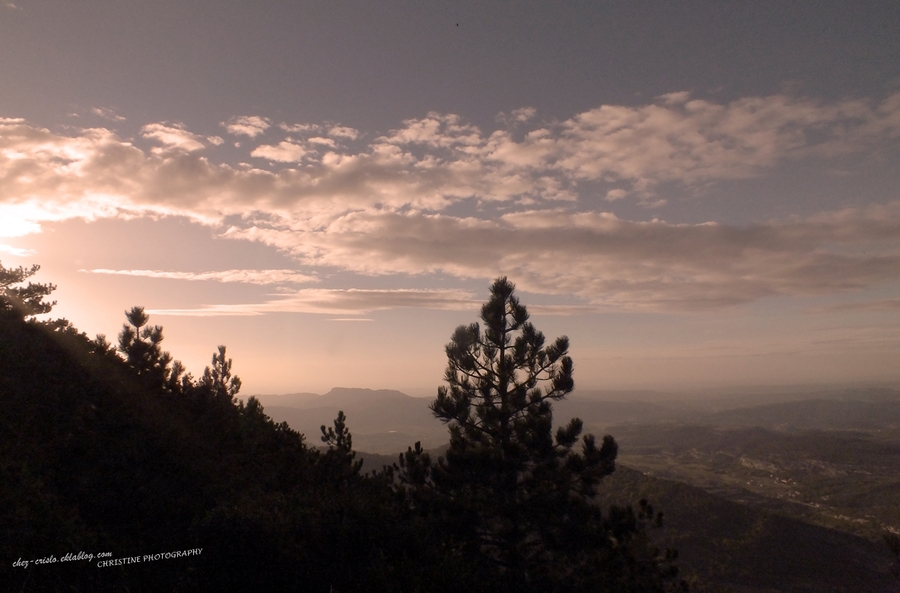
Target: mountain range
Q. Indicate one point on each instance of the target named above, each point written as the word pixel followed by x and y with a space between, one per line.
pixel 762 491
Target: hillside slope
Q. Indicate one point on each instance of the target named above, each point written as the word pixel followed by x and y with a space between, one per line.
pixel 92 461
pixel 744 549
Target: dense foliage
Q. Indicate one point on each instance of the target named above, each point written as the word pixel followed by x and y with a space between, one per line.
pixel 23 301
pixel 512 500
pixel 119 450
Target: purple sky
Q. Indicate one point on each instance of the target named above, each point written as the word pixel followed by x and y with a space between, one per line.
pixel 697 195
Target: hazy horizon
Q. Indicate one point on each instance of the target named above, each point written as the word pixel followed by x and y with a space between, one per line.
pixel 638 394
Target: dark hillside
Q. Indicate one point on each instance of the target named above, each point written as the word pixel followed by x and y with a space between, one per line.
pixel 91 460
pixel 107 459
pixel 748 550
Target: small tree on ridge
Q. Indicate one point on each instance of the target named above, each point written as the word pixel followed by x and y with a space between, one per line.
pixel 139 343
pixel 217 381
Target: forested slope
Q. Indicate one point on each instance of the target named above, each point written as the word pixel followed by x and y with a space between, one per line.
pixel 118 451
pixel 94 461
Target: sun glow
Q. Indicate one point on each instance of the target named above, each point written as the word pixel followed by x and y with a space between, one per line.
pixel 17 226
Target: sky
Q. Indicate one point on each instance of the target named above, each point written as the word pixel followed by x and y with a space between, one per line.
pixel 698 194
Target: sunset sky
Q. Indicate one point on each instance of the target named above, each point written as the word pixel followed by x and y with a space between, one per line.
pixel 698 194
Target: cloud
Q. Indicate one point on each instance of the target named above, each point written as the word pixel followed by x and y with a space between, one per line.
pixel 436 130
pixel 16 251
pixel 517 116
pixel 429 164
pixel 615 194
pixel 676 98
pixel 12 225
pixel 524 114
pixel 613 263
pixel 242 276
pixel 107 113
pixel 343 132
pixel 891 305
pixel 298 128
pixel 47 177
pixel 335 131
pixel 351 319
pixel 338 302
pixel 695 141
pixel 284 152
pixel 247 125
pixel 323 141
pixel 387 205
pixel 93 174
pixel 176 137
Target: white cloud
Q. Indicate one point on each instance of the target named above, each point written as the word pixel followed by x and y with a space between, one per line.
pixel 524 114
pixel 176 137
pixel 351 319
pixel 107 113
pixel 250 310
pixel 284 152
pixel 322 141
pixel 242 276
pixel 695 141
pixel 677 98
pixel 16 251
pixel 436 130
pixel 339 302
pixel 433 162
pixel 616 194
pixel 247 125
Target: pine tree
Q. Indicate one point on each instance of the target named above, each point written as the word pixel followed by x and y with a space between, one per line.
pixel 217 380
pixel 23 301
pixel 340 451
pixel 514 497
pixel 140 344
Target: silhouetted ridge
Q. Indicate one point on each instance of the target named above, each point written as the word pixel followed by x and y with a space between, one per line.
pixel 94 460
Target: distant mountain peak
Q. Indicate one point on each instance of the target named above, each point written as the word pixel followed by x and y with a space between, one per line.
pixel 338 397
pixel 362 395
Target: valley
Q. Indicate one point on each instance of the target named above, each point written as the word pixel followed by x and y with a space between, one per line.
pixel 770 491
